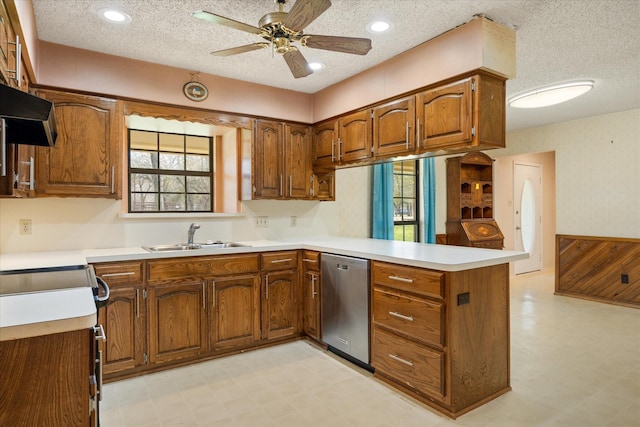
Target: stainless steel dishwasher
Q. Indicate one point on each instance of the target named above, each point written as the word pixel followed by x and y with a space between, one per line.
pixel 345 307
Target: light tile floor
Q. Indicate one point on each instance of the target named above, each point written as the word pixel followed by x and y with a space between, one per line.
pixel 573 363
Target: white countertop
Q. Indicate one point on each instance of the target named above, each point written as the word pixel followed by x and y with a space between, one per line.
pixel 43 313
pixel 437 257
pixel 50 312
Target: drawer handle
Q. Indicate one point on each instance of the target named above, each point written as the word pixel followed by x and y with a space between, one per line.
pixel 128 273
pixel 275 261
pixel 98 331
pixel 401 279
pixel 402 316
pixel 309 260
pixel 401 360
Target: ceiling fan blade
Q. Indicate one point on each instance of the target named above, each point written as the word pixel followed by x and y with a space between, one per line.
pixel 221 20
pixel 353 45
pixel 240 49
pixel 297 64
pixel 303 12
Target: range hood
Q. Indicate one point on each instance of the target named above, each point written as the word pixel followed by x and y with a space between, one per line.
pixel 28 119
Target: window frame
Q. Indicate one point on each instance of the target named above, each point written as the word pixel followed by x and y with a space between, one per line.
pixel 171 172
pixel 416 221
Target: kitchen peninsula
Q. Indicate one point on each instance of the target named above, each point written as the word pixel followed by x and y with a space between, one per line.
pixel 449 347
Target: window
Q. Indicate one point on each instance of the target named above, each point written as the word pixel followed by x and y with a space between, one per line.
pixel 406 218
pixel 170 172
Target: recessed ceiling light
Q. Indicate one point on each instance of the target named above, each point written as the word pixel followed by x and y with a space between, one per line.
pixel 114 15
pixel 316 65
pixel 379 26
pixel 551 95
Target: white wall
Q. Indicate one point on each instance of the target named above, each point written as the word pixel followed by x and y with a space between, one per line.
pixel 74 223
pixel 597 178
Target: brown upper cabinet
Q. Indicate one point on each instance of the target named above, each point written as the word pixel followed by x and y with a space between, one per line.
pixel 460 116
pixel 394 127
pixel 85 159
pixel 468 114
pixel 282 161
pixel 344 140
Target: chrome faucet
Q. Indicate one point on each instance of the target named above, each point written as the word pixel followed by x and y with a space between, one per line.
pixel 192 230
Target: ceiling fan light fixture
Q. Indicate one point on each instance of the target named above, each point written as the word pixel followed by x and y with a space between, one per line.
pixel 551 95
pixel 114 15
pixel 316 65
pixel 281 45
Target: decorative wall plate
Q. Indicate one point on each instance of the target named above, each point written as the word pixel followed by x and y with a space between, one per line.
pixel 195 91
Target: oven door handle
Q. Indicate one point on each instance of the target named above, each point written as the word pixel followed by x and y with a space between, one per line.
pixel 101 301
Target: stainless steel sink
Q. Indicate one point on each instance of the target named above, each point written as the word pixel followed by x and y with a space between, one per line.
pixel 195 246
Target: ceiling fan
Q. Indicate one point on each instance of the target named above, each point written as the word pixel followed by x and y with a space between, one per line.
pixel 282 29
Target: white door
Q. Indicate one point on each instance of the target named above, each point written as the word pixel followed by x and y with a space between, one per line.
pixel 527 215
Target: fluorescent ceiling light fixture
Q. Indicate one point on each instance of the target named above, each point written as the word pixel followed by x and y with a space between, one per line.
pixel 113 15
pixel 551 95
pixel 379 26
pixel 316 65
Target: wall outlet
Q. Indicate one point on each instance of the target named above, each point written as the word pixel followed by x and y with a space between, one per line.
pixel 463 298
pixel 624 278
pixel 262 222
pixel 294 221
pixel 25 226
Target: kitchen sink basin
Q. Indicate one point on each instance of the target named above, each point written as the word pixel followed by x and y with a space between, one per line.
pixel 192 247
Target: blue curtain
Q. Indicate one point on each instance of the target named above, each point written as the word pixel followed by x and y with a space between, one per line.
pixel 429 190
pixel 382 209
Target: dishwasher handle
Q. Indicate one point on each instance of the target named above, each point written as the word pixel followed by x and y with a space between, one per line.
pixel 343 267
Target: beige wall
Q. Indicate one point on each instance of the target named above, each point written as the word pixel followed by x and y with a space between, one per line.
pixel 478 44
pixel 597 179
pixel 71 68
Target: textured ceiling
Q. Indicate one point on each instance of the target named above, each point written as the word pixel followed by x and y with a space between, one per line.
pixel 557 40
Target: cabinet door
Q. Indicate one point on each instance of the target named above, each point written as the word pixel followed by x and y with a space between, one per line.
pixel 235 313
pixel 268 168
pixel 7 59
pixel 393 127
pixel 324 185
pixel 123 321
pixel 280 309
pixel 124 316
pixel 297 160
pixel 355 136
pixel 85 159
pixel 444 115
pixel 325 139
pixel 177 321
pixel 311 304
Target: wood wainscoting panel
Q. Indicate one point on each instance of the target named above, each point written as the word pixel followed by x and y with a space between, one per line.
pixel 603 269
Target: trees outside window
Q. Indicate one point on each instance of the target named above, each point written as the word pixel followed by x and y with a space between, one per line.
pixel 170 172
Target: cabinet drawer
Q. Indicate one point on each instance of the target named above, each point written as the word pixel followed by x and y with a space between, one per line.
pixel 280 261
pixel 417 318
pixel 121 273
pixel 168 269
pixel 311 260
pixel 409 363
pixel 411 279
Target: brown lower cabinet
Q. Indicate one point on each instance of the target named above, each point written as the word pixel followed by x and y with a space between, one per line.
pixel 124 316
pixel 311 294
pixel 280 309
pixel 234 319
pixel 177 320
pixel 169 311
pixel 442 337
pixel 48 380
